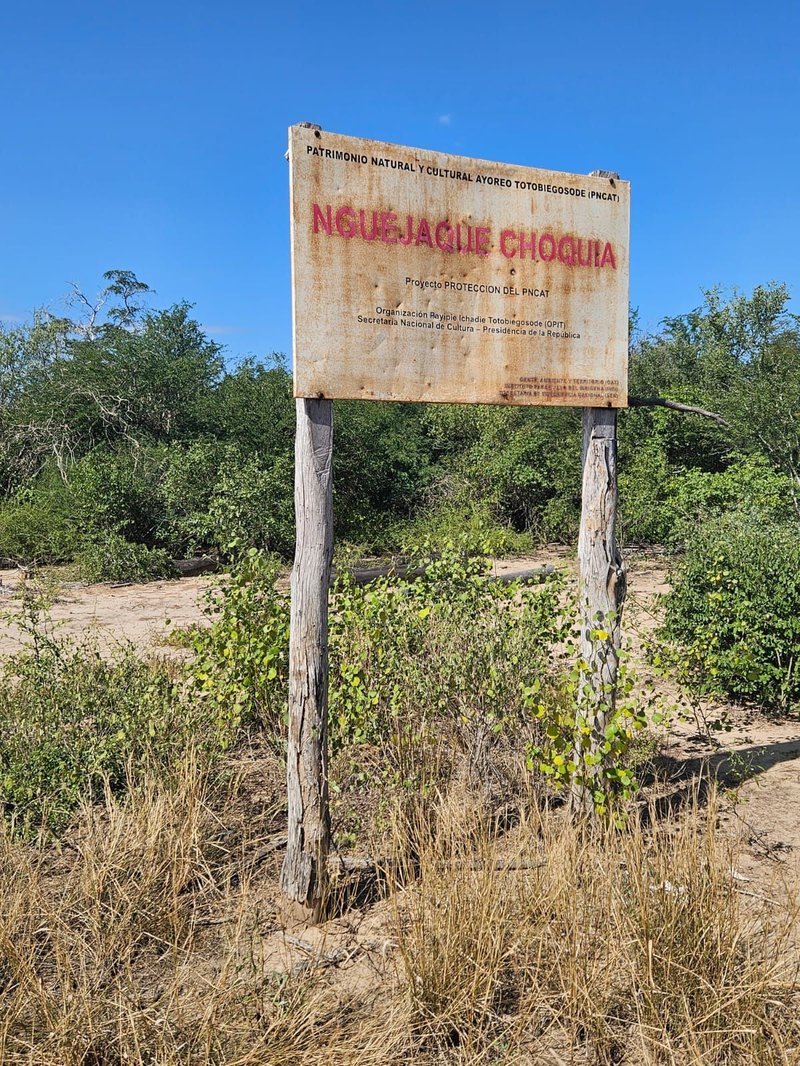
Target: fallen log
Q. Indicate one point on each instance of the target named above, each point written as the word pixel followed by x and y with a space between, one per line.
pixel 408 572
pixel 203 564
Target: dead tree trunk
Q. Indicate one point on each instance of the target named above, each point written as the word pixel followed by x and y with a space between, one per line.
pixel 601 585
pixel 304 873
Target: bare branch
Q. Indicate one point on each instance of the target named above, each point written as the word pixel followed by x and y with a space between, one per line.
pixel 673 405
pixel 88 328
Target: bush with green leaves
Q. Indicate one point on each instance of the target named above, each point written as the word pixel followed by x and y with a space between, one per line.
pixel 664 505
pixel 438 670
pixel 253 504
pixel 110 557
pixel 520 464
pixel 118 491
pixel 448 653
pixel 73 723
pixel 188 479
pixel 38 523
pixel 572 752
pixel 734 610
pixel 240 671
pixel 464 520
pixel 381 466
pixel 749 486
pixel 449 647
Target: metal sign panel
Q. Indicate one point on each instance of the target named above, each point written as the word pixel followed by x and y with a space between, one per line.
pixel 421 276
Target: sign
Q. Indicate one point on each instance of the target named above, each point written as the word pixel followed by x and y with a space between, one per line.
pixel 419 276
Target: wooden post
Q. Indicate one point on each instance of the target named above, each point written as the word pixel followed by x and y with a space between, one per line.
pixel 304 873
pixel 601 585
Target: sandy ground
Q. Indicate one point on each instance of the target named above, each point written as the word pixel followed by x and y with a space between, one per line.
pixel 758 758
pixel 142 615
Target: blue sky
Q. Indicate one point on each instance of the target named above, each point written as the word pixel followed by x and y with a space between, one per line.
pixel 151 136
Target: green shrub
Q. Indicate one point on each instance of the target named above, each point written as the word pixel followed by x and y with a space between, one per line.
pixel 186 496
pixel 37 522
pixel 110 557
pixel 734 609
pixel 381 466
pixel 189 477
pixel 253 505
pixel 447 647
pixel 119 492
pixel 240 671
pixel 447 653
pixel 73 723
pixel 521 466
pixel 470 524
pixel 750 485
pixel 662 505
pixel 571 752
pixel 647 515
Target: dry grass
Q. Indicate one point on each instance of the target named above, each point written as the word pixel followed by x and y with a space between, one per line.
pixel 633 947
pixel 153 937
pixel 137 944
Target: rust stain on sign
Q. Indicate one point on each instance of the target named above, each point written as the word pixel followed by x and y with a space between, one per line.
pixel 421 276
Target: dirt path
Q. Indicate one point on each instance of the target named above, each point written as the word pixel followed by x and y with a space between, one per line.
pixel 128 614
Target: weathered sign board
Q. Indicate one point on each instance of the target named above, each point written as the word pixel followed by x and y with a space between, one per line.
pixel 419 276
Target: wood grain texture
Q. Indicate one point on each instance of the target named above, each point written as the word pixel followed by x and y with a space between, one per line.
pixel 304 872
pixel 602 585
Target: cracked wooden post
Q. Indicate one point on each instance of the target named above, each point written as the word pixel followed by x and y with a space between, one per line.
pixel 304 872
pixel 601 587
